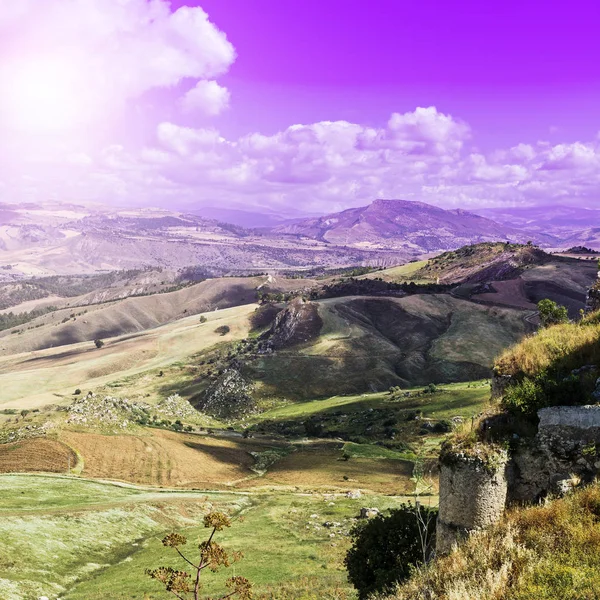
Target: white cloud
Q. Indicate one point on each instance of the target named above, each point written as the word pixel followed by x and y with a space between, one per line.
pixel 105 51
pixel 184 140
pixel 207 97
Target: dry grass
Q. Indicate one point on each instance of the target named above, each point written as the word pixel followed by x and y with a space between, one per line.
pixel 318 466
pixel 541 553
pixel 564 346
pixel 35 379
pixel 39 454
pixel 164 458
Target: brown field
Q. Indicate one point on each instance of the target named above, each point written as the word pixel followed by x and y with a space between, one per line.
pixel 176 460
pixel 508 293
pixel 39 454
pixel 318 467
pixel 165 458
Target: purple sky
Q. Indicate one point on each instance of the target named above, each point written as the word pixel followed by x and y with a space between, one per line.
pixel 315 105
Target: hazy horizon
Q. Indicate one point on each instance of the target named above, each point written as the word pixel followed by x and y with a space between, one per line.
pixel 298 110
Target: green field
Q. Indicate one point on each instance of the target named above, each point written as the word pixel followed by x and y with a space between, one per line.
pixel 83 540
pixel 400 273
pixel 454 399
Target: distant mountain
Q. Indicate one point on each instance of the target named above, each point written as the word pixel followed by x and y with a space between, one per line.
pixel 551 219
pixel 250 219
pixel 406 224
pixel 242 218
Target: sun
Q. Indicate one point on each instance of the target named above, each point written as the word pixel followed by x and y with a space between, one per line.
pixel 43 96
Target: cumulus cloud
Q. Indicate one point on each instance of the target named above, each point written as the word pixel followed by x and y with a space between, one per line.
pixel 207 97
pixel 102 53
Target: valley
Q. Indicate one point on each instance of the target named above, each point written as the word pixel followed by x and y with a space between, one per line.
pixel 133 400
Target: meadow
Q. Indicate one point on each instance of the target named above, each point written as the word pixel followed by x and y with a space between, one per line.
pixel 84 540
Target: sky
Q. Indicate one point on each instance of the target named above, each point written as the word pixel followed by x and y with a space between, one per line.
pixel 295 107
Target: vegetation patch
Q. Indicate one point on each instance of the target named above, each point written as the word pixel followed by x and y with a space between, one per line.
pixel 538 553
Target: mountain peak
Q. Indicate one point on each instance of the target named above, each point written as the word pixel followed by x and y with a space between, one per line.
pixel 406 224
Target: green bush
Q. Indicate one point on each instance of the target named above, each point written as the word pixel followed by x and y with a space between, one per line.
pixel 552 313
pixel 530 394
pixel 386 548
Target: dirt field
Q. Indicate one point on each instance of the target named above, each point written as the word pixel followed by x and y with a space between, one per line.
pixel 319 467
pixel 508 293
pixel 38 454
pixel 165 458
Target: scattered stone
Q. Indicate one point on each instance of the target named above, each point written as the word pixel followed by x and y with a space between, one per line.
pixel 368 513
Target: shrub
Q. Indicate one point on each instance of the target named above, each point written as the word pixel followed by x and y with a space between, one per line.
pixel 386 548
pixel 223 330
pixel 552 313
pixel 99 343
pixel 203 319
pixel 77 392
pixel 530 394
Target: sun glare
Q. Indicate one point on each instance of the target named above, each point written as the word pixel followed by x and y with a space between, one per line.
pixel 44 97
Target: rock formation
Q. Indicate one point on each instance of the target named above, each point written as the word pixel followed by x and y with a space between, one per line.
pixel 477 484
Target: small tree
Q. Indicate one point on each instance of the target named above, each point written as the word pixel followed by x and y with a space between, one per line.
pixel 223 330
pixel 203 319
pixel 552 313
pixel 99 343
pixel 212 556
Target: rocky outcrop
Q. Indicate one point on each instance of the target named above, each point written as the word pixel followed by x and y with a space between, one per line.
pixel 567 446
pixel 592 301
pixel 230 396
pixel 297 324
pixel 473 489
pixel 477 484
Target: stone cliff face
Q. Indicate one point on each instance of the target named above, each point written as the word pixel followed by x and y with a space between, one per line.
pixel 297 324
pixel 474 491
pixel 472 496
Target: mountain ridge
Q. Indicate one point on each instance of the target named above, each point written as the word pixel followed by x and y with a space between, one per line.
pixel 407 224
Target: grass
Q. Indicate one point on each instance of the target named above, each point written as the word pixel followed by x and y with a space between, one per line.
pixel 559 348
pixel 35 493
pixel 379 418
pixel 50 376
pixel 401 273
pixel 82 540
pixel 538 553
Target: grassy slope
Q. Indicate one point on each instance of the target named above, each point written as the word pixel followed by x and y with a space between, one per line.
pixel 538 553
pixel 96 539
pixel 559 348
pixel 370 344
pixel 32 380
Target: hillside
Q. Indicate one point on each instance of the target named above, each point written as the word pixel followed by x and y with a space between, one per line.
pixel 503 274
pixel 543 552
pixel 116 311
pixel 403 224
pixel 370 344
